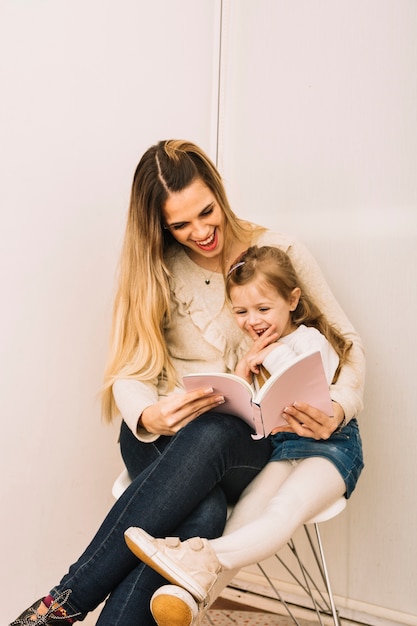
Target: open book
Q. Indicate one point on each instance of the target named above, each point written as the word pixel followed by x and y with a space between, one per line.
pixel 303 380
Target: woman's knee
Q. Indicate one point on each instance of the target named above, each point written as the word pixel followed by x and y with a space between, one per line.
pixel 228 432
pixel 217 427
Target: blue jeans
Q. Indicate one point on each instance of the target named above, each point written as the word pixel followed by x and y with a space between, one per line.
pixel 343 449
pixel 181 486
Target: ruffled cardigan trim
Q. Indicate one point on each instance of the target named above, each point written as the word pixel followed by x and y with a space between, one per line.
pixel 195 305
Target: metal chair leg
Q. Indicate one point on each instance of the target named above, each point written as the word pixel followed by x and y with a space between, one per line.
pixel 322 600
pixel 326 578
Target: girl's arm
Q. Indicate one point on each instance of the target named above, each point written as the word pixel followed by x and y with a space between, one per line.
pixel 304 340
pixel 249 364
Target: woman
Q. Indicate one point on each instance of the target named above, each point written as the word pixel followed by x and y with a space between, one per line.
pixel 170 318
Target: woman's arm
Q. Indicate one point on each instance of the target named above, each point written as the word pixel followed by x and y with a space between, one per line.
pixel 149 416
pixel 349 388
pixel 132 397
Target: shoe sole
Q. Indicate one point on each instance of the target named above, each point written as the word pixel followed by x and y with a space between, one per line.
pixel 171 610
pixel 160 562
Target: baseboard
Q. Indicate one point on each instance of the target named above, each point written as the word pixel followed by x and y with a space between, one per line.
pixel 250 589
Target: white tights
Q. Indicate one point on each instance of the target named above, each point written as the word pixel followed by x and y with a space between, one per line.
pixel 283 496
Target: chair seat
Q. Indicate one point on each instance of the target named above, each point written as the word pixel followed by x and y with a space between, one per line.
pixel 331 511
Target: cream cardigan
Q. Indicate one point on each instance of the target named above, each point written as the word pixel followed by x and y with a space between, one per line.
pixel 203 335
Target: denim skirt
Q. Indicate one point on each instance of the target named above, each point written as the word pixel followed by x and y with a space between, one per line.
pixel 343 448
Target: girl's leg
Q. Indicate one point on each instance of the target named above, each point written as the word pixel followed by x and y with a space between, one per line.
pixel 214 449
pixel 280 499
pixel 258 494
pixel 312 486
pixel 251 503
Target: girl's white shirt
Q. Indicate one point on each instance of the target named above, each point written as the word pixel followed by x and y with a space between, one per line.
pixel 301 341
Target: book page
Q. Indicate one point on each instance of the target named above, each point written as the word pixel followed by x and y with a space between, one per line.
pixel 303 381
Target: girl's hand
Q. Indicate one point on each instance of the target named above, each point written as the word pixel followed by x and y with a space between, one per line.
pixel 306 421
pixel 172 413
pixel 261 346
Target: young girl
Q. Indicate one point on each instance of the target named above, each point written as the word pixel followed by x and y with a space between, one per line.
pixel 305 474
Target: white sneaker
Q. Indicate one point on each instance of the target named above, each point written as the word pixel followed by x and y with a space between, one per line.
pixel 174 606
pixel 192 564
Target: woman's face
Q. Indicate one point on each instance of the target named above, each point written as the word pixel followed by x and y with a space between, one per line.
pixel 195 219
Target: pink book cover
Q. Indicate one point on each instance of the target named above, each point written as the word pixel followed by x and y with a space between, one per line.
pixel 303 380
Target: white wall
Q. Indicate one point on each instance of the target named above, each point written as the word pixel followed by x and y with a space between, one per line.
pixel 319 139
pixel 86 88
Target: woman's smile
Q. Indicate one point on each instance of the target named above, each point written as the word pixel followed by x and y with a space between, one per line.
pixel 208 244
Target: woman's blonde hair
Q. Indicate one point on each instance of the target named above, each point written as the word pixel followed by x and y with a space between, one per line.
pixel 271 266
pixel 142 302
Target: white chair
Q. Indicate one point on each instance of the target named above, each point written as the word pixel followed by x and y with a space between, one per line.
pixel 121 483
pixel 316 586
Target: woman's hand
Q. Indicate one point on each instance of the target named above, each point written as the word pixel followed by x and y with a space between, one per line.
pixel 306 421
pixel 172 413
pixel 261 346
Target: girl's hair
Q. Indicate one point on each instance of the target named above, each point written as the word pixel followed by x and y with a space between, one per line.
pixel 270 266
pixel 142 303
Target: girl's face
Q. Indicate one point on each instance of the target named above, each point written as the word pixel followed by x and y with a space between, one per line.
pixel 195 219
pixel 257 308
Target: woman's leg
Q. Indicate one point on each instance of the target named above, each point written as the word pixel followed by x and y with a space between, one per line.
pixel 214 449
pixel 128 604
pixel 312 486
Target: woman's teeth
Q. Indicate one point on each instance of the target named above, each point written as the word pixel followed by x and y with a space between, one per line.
pixel 207 241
